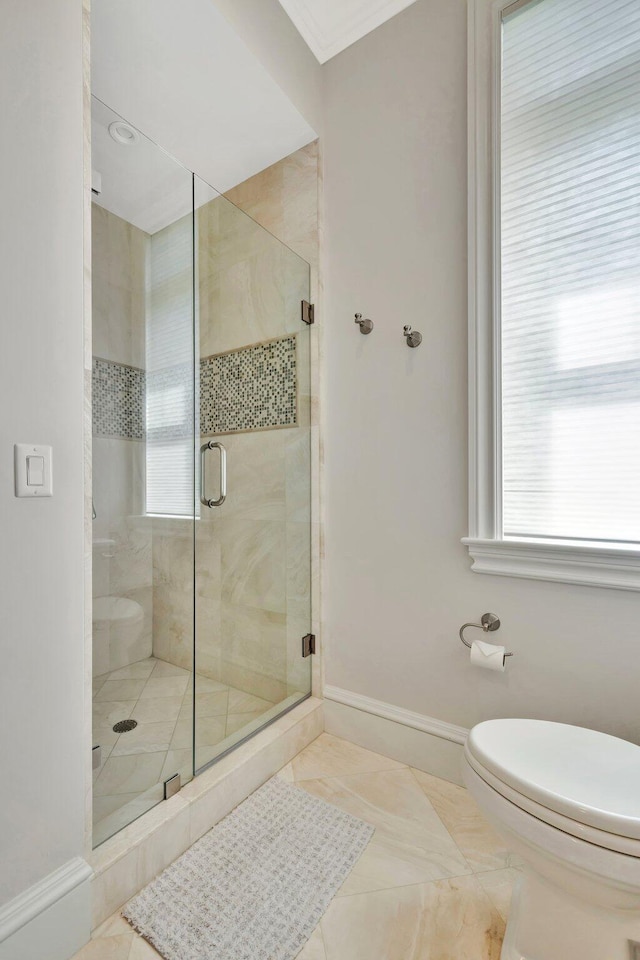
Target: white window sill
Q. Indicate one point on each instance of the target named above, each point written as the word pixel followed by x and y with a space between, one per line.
pixel 597 566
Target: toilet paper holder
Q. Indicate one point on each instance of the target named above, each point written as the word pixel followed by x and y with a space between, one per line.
pixel 488 623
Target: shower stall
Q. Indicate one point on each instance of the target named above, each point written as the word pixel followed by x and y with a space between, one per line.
pixel 201 474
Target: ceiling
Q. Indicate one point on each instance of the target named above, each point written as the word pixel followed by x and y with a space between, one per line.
pixel 139 181
pixel 180 74
pixel 329 26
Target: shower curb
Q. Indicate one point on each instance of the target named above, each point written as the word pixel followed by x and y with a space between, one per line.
pixel 129 860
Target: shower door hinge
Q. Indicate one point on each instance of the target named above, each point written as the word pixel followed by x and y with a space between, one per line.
pixel 172 786
pixel 308 312
pixel 308 644
pixel 96 757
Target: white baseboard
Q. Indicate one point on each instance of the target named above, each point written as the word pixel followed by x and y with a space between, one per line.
pixel 424 742
pixel 50 920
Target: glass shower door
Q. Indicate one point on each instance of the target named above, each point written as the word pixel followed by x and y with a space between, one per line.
pixel 253 533
pixel 143 401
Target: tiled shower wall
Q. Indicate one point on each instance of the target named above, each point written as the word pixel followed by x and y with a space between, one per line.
pixel 124 568
pixel 251 615
pixel 285 199
pixel 253 557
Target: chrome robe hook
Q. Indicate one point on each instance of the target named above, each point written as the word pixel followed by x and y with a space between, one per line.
pixel 414 339
pixel 366 326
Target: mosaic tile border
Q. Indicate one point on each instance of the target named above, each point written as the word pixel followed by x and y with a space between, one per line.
pixel 118 400
pixel 253 388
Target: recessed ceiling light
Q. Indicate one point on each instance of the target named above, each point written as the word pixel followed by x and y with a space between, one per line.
pixel 121 132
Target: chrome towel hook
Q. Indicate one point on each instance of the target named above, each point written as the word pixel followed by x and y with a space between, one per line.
pixel 488 623
pixel 366 326
pixel 414 339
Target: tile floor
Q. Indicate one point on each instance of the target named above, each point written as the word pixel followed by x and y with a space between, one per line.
pixel 433 884
pixel 159 695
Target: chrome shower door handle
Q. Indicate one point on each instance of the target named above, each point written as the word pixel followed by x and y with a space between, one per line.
pixel 213 445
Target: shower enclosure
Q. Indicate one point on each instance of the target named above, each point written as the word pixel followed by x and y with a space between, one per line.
pixel 201 474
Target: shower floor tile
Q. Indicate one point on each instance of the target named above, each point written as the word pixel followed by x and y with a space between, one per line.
pixel 135 764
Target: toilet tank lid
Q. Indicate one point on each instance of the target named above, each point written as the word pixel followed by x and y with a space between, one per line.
pixel 116 608
pixel 591 777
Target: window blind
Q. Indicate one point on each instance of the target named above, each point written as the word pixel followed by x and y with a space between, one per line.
pixel 170 372
pixel 570 270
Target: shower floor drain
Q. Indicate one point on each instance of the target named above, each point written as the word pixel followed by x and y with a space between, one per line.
pixel 122 726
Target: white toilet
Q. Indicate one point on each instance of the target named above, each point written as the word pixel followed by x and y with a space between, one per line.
pixel 118 637
pixel 567 801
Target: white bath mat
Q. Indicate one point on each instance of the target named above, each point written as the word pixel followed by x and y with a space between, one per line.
pixel 256 885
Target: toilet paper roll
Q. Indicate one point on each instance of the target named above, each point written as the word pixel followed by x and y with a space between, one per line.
pixel 487 655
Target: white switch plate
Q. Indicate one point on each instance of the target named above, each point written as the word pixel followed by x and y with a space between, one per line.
pixel 21 454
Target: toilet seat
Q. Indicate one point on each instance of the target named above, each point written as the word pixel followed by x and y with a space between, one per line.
pixel 582 782
pixel 116 609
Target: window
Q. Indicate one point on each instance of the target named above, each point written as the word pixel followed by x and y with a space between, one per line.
pixel 170 376
pixel 555 289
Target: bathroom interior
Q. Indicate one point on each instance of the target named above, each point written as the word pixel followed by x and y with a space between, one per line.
pixel 329 346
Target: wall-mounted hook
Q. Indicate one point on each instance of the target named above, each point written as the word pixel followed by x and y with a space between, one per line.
pixel 414 339
pixel 366 326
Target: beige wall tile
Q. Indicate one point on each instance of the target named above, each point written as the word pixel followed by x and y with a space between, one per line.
pixel 254 639
pixel 208 640
pixel 250 290
pixel 256 475
pixel 173 625
pixel 164 846
pixel 283 199
pixel 118 258
pixel 260 684
pixel 297 450
pixel 113 887
pixel 253 563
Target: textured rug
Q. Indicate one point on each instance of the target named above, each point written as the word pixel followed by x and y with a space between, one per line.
pixel 256 885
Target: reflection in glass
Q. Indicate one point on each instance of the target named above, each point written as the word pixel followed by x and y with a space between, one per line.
pixel 253 553
pixel 197 338
pixel 143 409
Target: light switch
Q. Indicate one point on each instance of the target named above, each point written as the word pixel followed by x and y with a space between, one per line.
pixel 35 471
pixel 32 467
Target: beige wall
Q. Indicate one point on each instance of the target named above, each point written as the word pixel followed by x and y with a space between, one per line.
pixel 44 745
pixel 399 583
pixel 272 38
pixel 119 253
pixel 286 199
pixel 253 554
